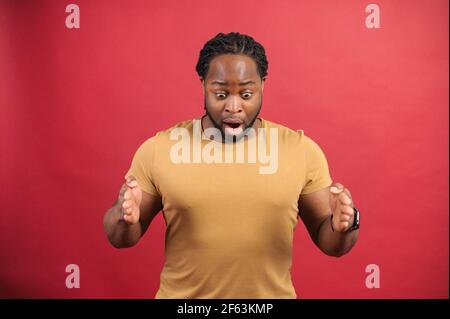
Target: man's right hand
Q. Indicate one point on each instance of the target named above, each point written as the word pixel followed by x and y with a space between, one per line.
pixel 130 198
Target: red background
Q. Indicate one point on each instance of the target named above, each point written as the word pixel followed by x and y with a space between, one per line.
pixel 76 103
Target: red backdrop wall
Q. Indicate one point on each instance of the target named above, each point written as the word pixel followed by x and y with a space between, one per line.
pixel 76 103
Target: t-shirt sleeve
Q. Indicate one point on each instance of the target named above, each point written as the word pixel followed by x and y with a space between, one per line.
pixel 143 165
pixel 317 172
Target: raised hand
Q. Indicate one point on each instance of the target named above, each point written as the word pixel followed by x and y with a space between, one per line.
pixel 130 198
pixel 342 207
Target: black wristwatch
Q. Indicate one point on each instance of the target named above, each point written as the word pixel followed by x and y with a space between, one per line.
pixel 355 221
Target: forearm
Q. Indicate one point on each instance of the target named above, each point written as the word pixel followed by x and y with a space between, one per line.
pixel 334 243
pixel 119 233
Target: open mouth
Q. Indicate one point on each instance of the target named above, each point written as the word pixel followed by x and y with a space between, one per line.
pixel 232 125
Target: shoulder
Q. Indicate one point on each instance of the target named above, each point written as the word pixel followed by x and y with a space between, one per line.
pixel 289 134
pixel 188 124
pixel 164 135
pixel 295 138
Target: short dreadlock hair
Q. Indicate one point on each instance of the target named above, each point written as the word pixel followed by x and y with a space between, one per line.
pixel 232 43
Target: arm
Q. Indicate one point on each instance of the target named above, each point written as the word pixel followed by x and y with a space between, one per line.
pixel 315 210
pixel 128 219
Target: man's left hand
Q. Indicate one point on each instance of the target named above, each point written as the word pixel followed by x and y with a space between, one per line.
pixel 341 204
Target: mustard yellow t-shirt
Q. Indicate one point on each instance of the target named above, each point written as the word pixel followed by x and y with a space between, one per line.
pixel 230 223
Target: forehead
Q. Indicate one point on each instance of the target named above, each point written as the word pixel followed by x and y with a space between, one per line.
pixel 232 66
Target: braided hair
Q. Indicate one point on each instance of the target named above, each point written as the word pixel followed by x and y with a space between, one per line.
pixel 232 43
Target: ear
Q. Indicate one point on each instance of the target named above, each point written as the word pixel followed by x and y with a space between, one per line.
pixel 202 80
pixel 263 81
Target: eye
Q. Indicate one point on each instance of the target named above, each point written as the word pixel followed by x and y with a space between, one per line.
pixel 221 95
pixel 246 95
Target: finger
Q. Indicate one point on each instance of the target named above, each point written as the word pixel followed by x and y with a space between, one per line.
pixel 344 199
pixel 347 192
pixel 347 210
pixel 132 184
pixel 128 210
pixel 336 188
pixel 343 225
pixel 129 219
pixel 128 194
pixel 131 181
pixel 127 204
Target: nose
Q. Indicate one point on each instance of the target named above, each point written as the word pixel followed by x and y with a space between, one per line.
pixel 233 105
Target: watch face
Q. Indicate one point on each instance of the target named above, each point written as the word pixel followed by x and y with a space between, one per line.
pixel 356 216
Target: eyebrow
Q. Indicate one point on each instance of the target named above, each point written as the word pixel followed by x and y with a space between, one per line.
pixel 226 83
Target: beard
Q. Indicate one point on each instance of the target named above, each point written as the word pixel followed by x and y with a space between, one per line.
pixel 222 130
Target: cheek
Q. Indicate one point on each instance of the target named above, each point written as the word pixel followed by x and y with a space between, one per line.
pixel 212 103
pixel 254 105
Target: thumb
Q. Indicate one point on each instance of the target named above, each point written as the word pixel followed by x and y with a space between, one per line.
pixel 131 181
pixel 336 188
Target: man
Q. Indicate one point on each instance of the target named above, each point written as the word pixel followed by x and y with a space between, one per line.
pixel 230 224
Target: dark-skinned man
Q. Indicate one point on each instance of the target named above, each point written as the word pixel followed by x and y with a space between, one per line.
pixel 230 224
